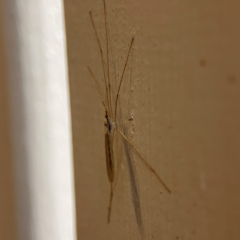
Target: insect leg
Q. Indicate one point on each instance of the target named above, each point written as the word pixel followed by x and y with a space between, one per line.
pixel 145 162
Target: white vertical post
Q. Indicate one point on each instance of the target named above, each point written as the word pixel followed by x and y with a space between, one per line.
pixel 41 119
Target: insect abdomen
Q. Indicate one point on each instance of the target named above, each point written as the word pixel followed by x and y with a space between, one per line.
pixel 109 156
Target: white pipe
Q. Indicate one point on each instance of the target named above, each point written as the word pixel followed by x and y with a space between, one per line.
pixel 41 119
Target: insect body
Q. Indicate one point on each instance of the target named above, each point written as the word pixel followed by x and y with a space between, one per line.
pixel 111 111
pixel 109 135
pixel 110 164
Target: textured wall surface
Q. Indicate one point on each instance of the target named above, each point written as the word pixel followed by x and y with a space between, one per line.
pixel 181 92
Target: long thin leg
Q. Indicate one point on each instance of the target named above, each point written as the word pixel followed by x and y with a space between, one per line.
pixel 114 87
pixel 110 203
pixel 98 87
pixel 108 67
pixel 145 162
pixel 102 58
pixel 119 87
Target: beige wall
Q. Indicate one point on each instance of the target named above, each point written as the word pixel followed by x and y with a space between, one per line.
pixel 185 100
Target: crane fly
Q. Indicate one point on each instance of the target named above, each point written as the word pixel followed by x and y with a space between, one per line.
pixel 110 105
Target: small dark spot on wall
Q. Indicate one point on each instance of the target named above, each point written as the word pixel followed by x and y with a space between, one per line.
pixel 203 63
pixel 193 232
pixel 177 237
pixel 232 79
pixel 170 127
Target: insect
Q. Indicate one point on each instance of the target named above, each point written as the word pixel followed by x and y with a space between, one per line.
pixel 110 105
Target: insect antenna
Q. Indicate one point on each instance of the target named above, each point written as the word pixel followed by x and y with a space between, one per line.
pixel 121 79
pixel 98 87
pixel 107 50
pixel 102 58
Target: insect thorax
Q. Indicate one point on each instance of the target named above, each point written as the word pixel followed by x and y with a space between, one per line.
pixel 109 124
